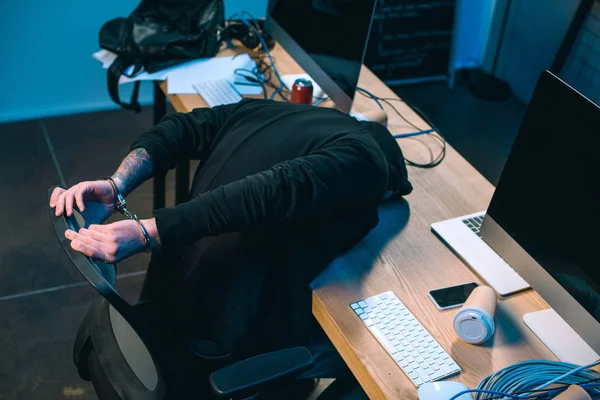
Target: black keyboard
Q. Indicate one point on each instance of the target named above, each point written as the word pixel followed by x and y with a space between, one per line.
pixel 474 224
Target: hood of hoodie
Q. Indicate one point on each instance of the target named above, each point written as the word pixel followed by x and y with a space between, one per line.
pixel 398 175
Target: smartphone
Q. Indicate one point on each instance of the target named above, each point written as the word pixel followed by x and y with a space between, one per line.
pixel 453 296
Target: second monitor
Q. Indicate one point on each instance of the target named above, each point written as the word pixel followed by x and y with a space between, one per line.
pixel 327 38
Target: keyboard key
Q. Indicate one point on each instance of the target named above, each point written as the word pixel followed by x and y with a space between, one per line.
pixel 370 302
pixel 354 306
pixel 399 358
pixel 423 375
pixel 384 341
pixel 360 311
pixel 364 316
pixel 447 370
pixel 363 304
pixel 369 322
pixel 437 374
pixel 383 296
pixel 453 365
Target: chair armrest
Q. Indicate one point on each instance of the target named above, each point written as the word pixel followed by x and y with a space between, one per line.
pixel 246 378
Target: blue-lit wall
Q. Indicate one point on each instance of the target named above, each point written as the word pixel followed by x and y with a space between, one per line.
pixel 46 64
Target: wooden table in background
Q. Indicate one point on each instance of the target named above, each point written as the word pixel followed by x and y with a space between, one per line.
pixel 402 254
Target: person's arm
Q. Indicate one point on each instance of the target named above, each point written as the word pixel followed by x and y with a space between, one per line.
pixel 175 138
pixel 349 173
pixel 134 170
pixel 184 136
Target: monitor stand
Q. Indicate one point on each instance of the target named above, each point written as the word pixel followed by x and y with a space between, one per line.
pixel 559 337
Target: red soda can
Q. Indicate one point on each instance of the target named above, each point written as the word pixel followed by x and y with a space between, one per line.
pixel 302 92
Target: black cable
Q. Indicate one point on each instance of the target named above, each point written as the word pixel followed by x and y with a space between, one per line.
pixel 252 20
pixel 262 66
pixel 436 134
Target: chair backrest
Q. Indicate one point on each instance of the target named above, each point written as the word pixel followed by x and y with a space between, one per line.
pixel 118 327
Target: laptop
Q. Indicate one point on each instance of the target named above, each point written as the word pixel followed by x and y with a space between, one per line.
pixel 464 234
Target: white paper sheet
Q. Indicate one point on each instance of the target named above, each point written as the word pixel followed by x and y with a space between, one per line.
pixel 181 80
pixel 105 57
pixel 181 77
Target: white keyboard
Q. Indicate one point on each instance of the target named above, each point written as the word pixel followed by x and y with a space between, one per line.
pixel 217 92
pixel 412 347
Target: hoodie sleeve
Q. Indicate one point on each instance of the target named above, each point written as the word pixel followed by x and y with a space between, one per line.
pixel 179 137
pixel 344 175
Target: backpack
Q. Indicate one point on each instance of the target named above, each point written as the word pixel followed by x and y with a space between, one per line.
pixel 159 34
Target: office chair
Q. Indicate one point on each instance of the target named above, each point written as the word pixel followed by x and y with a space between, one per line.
pixel 127 354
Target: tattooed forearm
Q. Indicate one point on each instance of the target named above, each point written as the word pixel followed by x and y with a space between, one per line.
pixel 135 169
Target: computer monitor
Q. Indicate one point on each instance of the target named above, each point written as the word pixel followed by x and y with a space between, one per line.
pixel 327 38
pixel 544 219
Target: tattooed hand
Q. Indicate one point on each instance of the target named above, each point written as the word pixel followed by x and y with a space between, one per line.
pixel 133 171
pixel 95 200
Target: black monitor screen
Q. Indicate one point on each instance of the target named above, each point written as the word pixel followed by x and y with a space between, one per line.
pixel 548 197
pixel 333 32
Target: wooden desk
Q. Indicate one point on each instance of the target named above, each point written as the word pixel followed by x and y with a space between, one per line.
pixel 401 254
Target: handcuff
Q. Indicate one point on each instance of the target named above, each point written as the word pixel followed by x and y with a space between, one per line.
pixel 121 206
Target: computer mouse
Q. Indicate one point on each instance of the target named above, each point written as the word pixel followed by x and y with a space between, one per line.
pixel 443 390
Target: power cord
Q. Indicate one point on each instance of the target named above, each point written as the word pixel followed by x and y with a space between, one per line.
pixel 256 30
pixel 261 73
pixel 529 380
pixel 433 132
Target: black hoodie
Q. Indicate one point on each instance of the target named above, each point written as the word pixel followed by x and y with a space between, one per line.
pixel 295 183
